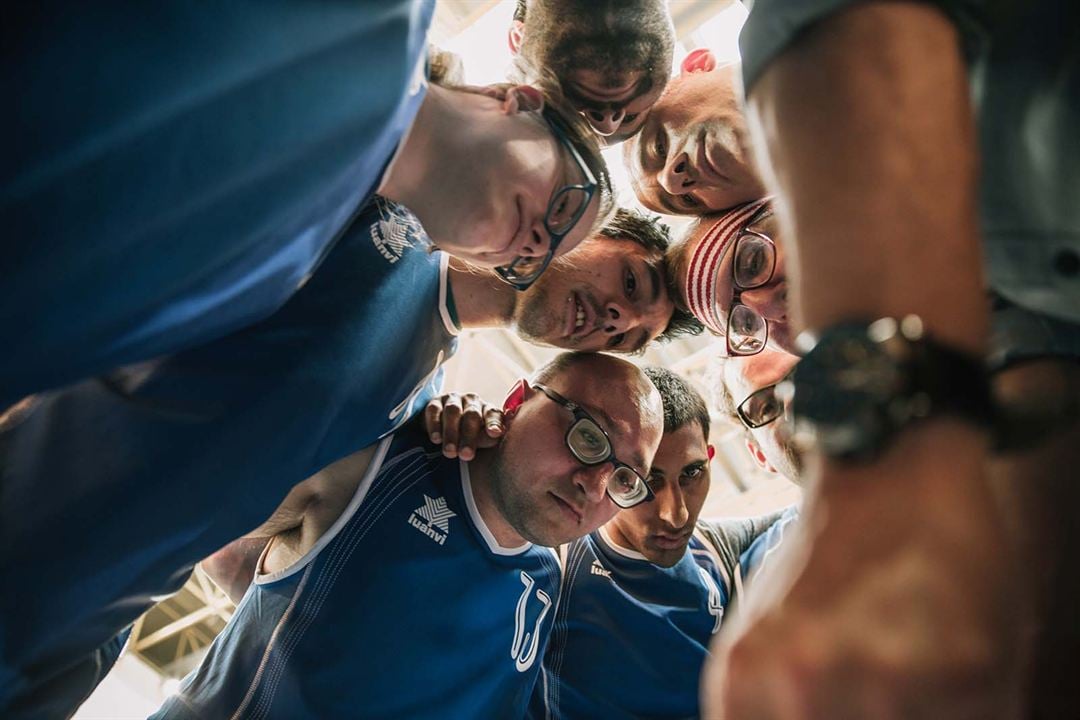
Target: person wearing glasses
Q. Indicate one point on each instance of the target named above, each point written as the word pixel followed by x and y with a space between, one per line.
pixel 745 391
pixel 238 422
pixel 728 270
pixel 643 595
pixel 692 155
pixel 612 59
pixel 183 199
pixel 402 583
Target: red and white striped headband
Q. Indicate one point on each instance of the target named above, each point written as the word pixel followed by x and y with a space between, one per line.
pixel 701 273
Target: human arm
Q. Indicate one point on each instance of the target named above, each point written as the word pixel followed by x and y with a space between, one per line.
pixel 894 600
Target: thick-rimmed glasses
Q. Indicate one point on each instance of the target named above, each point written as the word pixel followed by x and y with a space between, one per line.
pixel 564 211
pixel 590 445
pixel 761 407
pixel 752 266
pixel 764 405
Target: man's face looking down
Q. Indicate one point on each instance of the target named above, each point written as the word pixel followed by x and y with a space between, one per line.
pixel 702 265
pixel 743 376
pixel 660 530
pixel 608 294
pixel 541 489
pixel 612 59
pixel 692 155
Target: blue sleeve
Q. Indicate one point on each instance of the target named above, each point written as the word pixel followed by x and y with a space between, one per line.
pixel 175 170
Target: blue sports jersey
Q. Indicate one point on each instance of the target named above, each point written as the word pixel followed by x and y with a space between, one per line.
pixel 757 555
pixel 406 607
pixel 111 491
pixel 174 170
pixel 630 637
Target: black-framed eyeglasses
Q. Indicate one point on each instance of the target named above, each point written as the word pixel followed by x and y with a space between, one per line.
pixel 763 406
pixel 590 445
pixel 753 265
pixel 564 211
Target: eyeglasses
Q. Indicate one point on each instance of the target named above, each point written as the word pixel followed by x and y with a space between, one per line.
pixel 753 264
pixel 764 405
pixel 564 211
pixel 760 408
pixel 591 446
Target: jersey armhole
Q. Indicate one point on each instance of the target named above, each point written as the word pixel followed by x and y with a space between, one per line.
pixel 370 474
pixel 705 534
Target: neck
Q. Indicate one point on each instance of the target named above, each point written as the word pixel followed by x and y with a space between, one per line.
pixel 480 473
pixel 482 299
pixel 407 179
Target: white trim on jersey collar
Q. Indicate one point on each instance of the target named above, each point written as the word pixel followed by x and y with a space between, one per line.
pixel 444 285
pixel 358 497
pixel 478 522
pixel 619 550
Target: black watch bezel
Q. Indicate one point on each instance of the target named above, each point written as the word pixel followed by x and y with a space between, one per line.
pixel 862 382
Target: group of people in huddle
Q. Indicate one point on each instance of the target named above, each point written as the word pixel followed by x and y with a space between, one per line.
pixel 243 241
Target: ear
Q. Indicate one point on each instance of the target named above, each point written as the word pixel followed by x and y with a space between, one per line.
pixel 517 395
pixel 700 60
pixel 515 35
pixel 711 451
pixel 759 457
pixel 522 98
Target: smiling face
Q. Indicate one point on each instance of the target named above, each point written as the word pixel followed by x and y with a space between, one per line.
pixel 661 529
pixel 607 295
pixel 538 486
pixel 611 58
pixel 614 106
pixel 493 209
pixel 716 288
pixel 692 155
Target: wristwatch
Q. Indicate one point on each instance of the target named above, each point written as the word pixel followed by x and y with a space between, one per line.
pixel 860 383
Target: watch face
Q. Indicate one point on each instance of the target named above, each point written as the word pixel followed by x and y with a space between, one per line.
pixel 843 388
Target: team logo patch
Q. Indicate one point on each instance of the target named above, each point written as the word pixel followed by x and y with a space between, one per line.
pixel 597 569
pixel 431 517
pixel 396 231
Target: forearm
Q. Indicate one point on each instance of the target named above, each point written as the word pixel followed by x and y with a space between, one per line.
pixel 864 127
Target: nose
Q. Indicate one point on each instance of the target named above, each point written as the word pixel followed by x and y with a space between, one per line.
pixel 677 175
pixel 592 480
pixel 620 318
pixel 605 122
pixel 537 243
pixel 769 301
pixel 672 506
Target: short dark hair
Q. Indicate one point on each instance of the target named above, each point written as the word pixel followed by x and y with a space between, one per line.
pixel 682 403
pixel 606 36
pixel 654 236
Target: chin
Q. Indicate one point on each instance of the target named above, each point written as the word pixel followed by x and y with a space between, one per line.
pixel 665 558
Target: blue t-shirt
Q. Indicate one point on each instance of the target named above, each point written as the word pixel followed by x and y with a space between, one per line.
pixel 111 491
pixel 406 607
pixel 175 171
pixel 631 637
